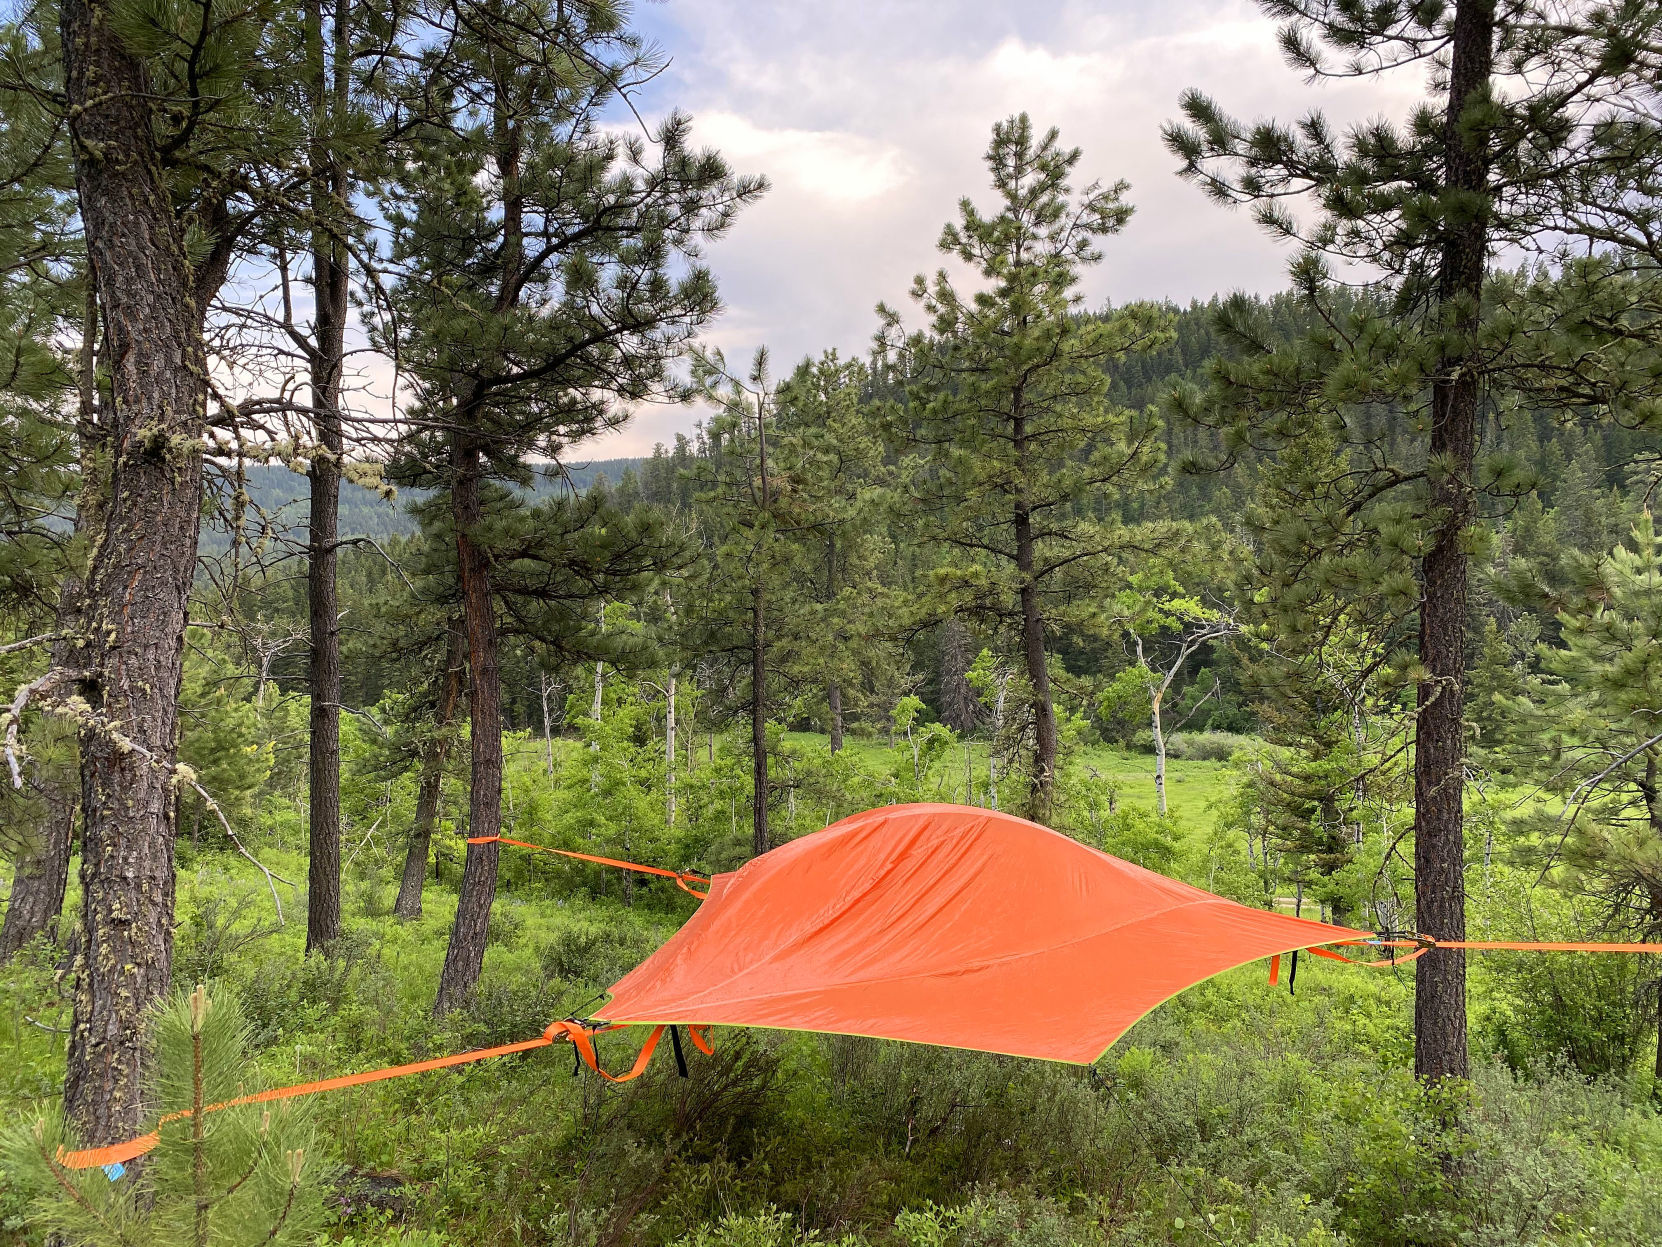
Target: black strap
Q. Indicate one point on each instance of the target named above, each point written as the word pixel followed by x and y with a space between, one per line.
pixel 680 1056
pixel 1292 972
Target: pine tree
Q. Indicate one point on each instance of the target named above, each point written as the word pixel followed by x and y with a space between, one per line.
pixel 828 460
pixel 250 1174
pixel 741 511
pixel 1590 730
pixel 1389 389
pixel 550 279
pixel 1021 461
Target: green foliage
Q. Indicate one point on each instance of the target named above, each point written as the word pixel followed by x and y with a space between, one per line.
pixel 222 745
pixel 1597 709
pixel 244 1175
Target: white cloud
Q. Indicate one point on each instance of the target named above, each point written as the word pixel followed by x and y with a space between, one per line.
pixel 871 116
pixel 826 167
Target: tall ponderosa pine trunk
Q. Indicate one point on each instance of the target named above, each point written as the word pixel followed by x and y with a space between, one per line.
pixel 465 957
pixel 834 690
pixel 1439 767
pixel 416 852
pixel 759 839
pixel 140 571
pixel 1042 786
pixel 329 289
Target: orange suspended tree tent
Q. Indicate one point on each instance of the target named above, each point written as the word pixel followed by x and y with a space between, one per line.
pixel 938 924
pixel 949 925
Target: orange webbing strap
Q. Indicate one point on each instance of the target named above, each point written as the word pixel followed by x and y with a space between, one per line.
pixel 1547 947
pixel 1424 944
pixel 1384 963
pixel 582 1038
pixel 117 1153
pixel 682 877
pixel 579 1035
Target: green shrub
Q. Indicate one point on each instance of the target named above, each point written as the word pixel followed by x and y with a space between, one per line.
pixel 1206 746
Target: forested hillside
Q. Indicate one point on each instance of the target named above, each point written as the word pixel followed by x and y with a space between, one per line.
pixel 356 749
pixel 279 498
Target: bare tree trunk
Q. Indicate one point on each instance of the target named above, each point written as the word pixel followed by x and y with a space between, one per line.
pixel 431 787
pixel 465 956
pixel 998 730
pixel 599 680
pixel 1159 749
pixel 545 685
pixel 327 362
pixel 138 581
pixel 958 703
pixel 1440 1049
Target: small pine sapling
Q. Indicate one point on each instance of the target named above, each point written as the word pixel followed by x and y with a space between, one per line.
pixel 237 1176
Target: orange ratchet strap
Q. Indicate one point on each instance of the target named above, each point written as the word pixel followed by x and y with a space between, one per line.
pixel 682 877
pixel 581 1036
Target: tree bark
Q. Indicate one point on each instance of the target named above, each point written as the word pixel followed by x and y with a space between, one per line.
pixel 599 703
pixel 328 357
pixel 408 905
pixel 465 956
pixel 143 557
pixel 1440 1048
pixel 545 686
pixel 834 689
pixel 1042 786
pixel 958 703
pixel 1156 722
pixel 759 840
pixel 42 873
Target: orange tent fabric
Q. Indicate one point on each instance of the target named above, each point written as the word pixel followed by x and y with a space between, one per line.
pixel 950 925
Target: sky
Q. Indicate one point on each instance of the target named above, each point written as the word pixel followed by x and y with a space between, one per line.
pixel 870 119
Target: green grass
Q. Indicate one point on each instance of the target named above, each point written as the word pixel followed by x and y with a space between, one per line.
pixel 1192 788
